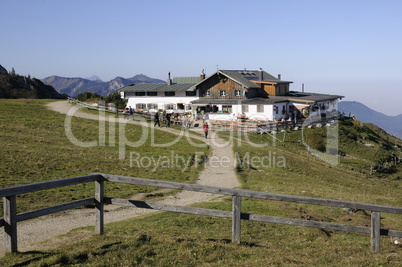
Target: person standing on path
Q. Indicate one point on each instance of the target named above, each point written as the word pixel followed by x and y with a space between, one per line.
pixel 131 110
pixel 156 118
pixel 205 127
pixel 168 120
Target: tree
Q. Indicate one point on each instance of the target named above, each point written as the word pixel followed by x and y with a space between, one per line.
pixel 116 99
pixel 84 96
pixel 12 72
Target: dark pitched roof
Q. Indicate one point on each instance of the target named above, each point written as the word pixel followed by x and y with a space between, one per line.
pixel 245 77
pixel 310 97
pixel 154 87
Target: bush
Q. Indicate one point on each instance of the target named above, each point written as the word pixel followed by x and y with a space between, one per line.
pixel 84 96
pixel 116 99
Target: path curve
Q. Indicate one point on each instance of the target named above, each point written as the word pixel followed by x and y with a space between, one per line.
pixel 53 225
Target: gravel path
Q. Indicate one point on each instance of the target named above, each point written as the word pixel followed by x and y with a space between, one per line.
pixel 214 174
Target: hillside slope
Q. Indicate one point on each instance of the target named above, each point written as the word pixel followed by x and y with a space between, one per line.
pixel 391 124
pixel 16 86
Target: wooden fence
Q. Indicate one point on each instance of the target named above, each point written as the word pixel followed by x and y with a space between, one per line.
pixel 9 222
pixel 95 107
pixel 264 126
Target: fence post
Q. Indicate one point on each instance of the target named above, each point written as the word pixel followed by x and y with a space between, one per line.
pixel 99 205
pixel 10 223
pixel 236 213
pixel 375 231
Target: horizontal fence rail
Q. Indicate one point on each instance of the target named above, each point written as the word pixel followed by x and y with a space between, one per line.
pixel 9 222
pixel 29 188
pixel 251 194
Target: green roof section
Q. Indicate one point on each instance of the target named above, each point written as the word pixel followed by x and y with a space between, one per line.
pixel 185 80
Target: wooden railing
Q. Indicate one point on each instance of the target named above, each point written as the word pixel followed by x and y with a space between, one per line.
pixel 264 126
pixel 9 222
pixel 137 114
pixel 96 107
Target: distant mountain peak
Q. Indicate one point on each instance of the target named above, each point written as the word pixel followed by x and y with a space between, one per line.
pixel 141 78
pixel 94 78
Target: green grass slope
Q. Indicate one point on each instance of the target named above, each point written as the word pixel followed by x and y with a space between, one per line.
pixel 365 172
pixel 35 148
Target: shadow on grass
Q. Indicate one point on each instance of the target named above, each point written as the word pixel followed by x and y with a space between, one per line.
pixel 228 241
pixel 31 253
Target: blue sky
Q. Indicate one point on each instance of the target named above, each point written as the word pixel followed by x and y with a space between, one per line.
pixel 350 48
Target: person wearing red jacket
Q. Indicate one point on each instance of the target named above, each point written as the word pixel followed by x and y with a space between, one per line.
pixel 205 130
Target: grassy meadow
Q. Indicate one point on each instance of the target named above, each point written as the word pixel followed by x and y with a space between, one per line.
pixel 172 239
pixel 35 148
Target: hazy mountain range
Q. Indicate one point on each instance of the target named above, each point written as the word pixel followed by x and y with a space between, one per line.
pixel 391 124
pixel 93 84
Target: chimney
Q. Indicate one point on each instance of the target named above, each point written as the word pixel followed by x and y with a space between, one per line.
pixel 279 76
pixel 260 75
pixel 169 81
pixel 202 76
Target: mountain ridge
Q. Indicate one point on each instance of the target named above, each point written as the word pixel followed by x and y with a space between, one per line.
pixel 15 86
pixel 76 85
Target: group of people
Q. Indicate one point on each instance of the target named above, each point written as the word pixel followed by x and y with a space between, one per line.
pixel 157 121
pixel 167 116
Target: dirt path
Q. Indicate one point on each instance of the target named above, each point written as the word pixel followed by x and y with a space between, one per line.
pixel 33 234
